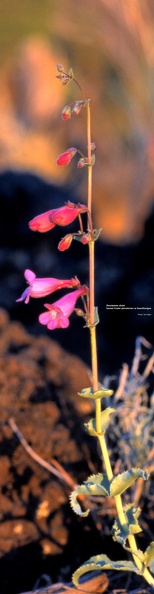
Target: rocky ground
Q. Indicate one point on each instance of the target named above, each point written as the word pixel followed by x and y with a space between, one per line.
pixel 41 540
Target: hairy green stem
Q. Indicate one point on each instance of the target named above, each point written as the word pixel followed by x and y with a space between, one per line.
pixel 92 328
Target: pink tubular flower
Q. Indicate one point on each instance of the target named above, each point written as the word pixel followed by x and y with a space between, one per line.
pixel 59 312
pixel 40 287
pixel 42 222
pixel 65 242
pixel 66 157
pixel 67 214
pixel 58 216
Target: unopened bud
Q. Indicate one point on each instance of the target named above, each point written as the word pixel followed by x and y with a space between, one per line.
pixel 60 68
pixel 86 238
pixel 79 312
pixel 66 112
pixel 77 107
pixel 65 158
pixel 65 243
pixel 82 162
pixel 83 237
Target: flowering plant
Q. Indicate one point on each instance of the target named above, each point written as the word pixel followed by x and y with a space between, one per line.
pixel 126 524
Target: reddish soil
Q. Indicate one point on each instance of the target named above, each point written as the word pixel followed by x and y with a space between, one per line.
pixel 39 533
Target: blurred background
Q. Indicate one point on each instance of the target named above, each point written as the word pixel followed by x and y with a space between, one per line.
pixel 109 44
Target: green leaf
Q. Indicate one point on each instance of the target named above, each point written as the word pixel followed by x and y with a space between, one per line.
pixel 123 481
pixel 101 393
pixel 103 562
pixel 96 233
pixel 96 315
pixel 91 425
pixel 93 160
pixel 133 514
pixel 96 484
pixel 149 555
pixel 121 533
pixel 75 503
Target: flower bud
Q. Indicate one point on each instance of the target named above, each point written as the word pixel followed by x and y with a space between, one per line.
pixel 86 238
pixel 65 242
pixel 65 158
pixel 79 312
pixel 66 112
pixel 81 163
pixel 77 107
pixel 83 237
pixel 60 68
pixel 93 146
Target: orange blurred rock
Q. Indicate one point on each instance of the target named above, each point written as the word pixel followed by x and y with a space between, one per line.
pixel 33 84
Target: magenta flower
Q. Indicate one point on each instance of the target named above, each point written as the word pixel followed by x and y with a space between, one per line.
pixel 58 216
pixel 40 287
pixel 68 213
pixel 42 222
pixel 59 312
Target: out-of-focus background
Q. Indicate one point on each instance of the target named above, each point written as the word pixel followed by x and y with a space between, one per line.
pixel 109 44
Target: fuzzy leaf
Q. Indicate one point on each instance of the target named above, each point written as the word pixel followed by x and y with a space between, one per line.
pixel 123 481
pixel 133 514
pixel 93 160
pixel 96 484
pixel 91 425
pixel 149 555
pixel 101 393
pixel 96 233
pixel 102 562
pixel 75 505
pixel 121 533
pixel 96 315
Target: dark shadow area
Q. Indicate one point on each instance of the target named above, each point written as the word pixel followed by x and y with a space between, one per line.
pixel 124 274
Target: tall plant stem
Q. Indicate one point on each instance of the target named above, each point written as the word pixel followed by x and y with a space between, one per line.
pixel 92 328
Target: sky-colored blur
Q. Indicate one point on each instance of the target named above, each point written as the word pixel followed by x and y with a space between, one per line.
pixel 109 44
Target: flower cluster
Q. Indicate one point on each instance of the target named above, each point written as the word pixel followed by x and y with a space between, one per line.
pixel 65 77
pixel 59 312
